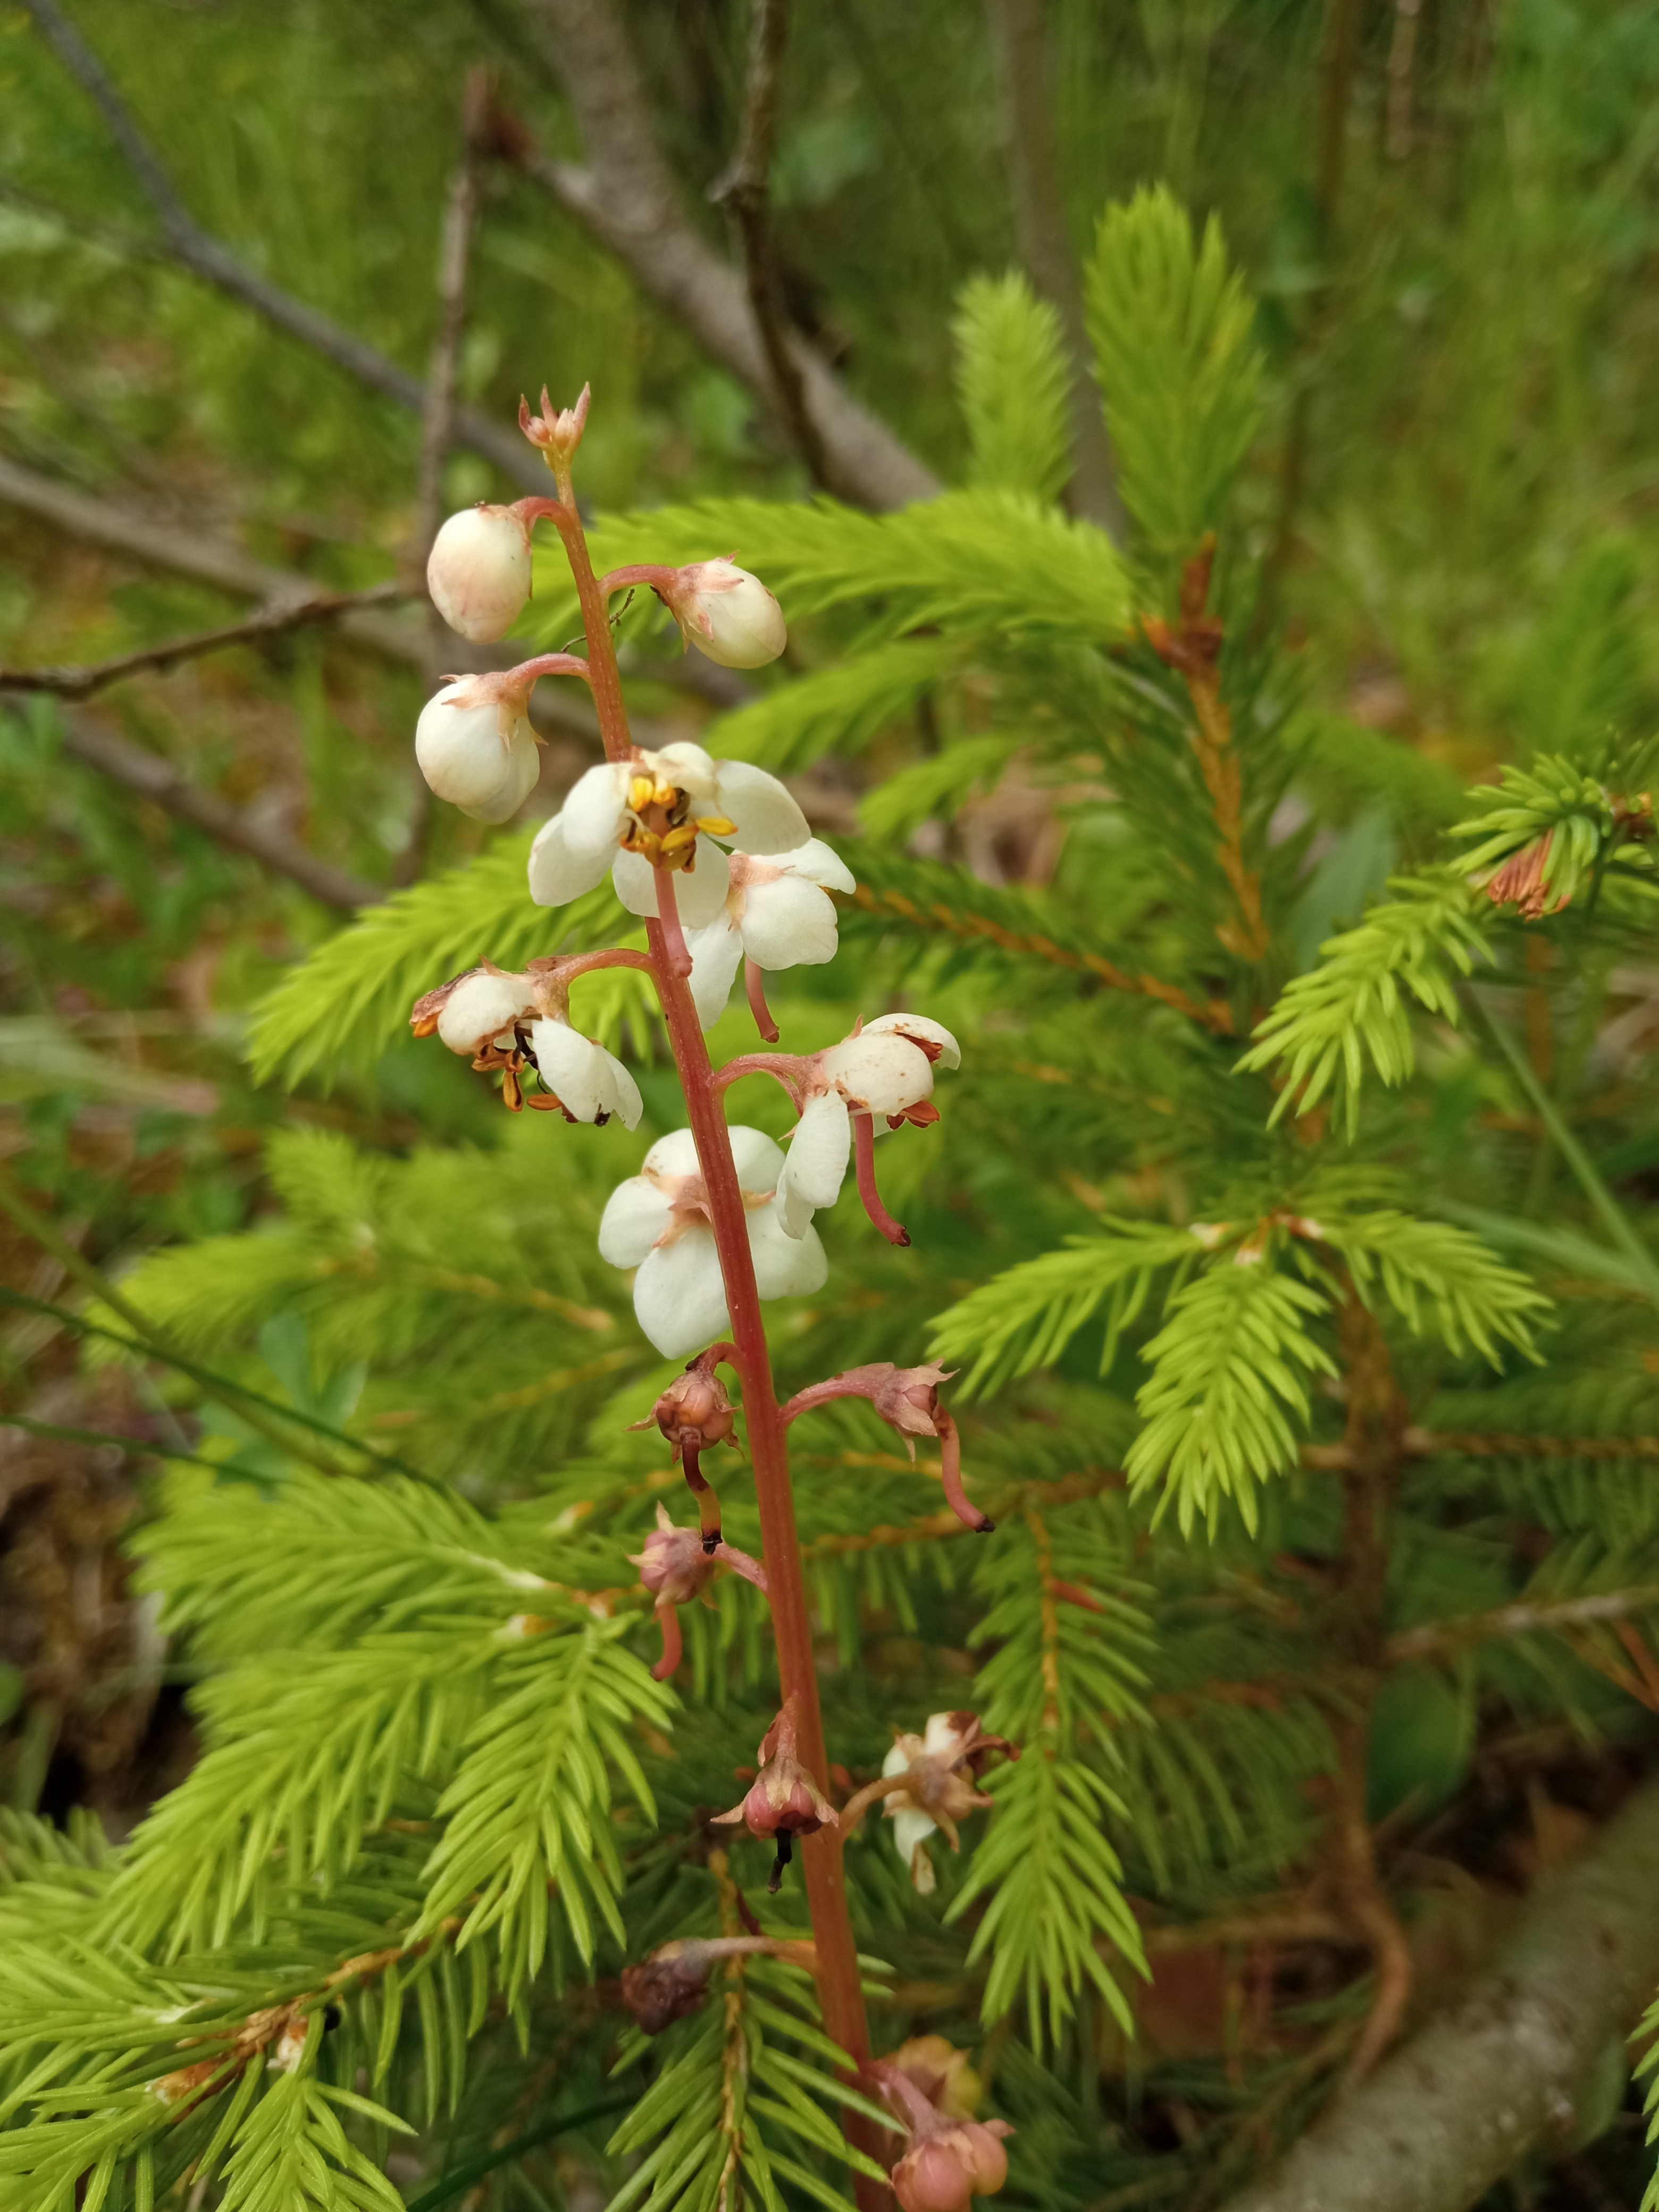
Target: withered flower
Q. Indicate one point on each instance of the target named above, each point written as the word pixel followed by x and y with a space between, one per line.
pixel 939 1767
pixel 783 1802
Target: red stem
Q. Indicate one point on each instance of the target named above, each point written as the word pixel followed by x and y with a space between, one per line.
pixel 950 1453
pixel 841 1994
pixel 784 1067
pixel 753 984
pixel 548 664
pixel 864 1153
pixel 643 572
pixel 820 1394
pixel 673 937
pixel 668 1619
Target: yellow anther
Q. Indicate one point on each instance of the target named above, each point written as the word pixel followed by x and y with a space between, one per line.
pixel 666 793
pixel 677 840
pixel 640 790
pixel 717 825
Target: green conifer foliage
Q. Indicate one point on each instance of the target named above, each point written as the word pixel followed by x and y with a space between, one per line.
pixel 1305 1439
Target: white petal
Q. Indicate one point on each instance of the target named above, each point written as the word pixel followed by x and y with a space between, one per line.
pixel 817 1166
pixel 918 1025
pixel 716 955
pixel 522 768
pixel 594 809
pixel 673 1155
pixel 767 817
pixel 699 892
pixel 478 571
pixel 573 1066
pixel 680 1299
pixel 909 1829
pixel 460 748
pixel 880 1071
pixel 482 1006
pixel 689 766
pixel 758 1161
pixel 557 874
pixel 623 1099
pixel 896 1762
pixel 636 1214
pixel 785 1266
pixel 788 924
pixel 818 863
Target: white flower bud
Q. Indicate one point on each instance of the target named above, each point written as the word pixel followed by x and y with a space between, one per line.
pixel 478 750
pixel 727 614
pixel 478 573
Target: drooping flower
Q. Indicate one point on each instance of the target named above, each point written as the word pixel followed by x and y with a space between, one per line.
pixel 726 613
pixel 783 1800
pixel 778 913
pixel 500 1019
pixel 695 1413
pixel 478 571
pixel 950 2157
pixel 677 1564
pixel 885 1068
pixel 940 1768
pixel 475 746
pixel 659 1221
pixel 662 810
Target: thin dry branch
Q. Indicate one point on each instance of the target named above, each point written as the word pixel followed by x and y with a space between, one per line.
pixel 1499 2071
pixel 744 193
pixel 270 621
pixel 1019 39
pixel 195 249
pixel 158 780
pixel 1527 1617
pixel 625 196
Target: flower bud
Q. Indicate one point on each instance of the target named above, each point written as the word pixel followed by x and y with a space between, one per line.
pixel 695 1411
pixel 666 1988
pixel 478 571
pixel 476 748
pixel 932 2178
pixel 783 1800
pixel 672 1563
pixel 726 613
pixel 559 433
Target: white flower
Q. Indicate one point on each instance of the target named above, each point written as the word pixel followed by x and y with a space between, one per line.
pixel 778 913
pixel 726 613
pixel 476 748
pixel 658 1221
pixel 589 1082
pixel 887 1070
pixel 478 571
pixel 623 817
pixel 498 1020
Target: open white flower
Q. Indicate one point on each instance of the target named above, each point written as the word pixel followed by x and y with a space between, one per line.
pixel 658 1221
pixel 476 748
pixel 778 913
pixel 886 1069
pixel 478 571
pixel 500 1020
pixel 666 809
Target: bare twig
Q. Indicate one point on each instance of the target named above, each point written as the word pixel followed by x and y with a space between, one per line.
pixel 1498 2070
pixel 193 248
pixel 743 192
pixel 1019 39
pixel 270 621
pixel 1527 1617
pixel 625 196
pixel 438 420
pixel 159 782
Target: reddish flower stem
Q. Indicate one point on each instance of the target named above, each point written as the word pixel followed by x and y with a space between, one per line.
pixel 820 1394
pixel 753 984
pixel 673 937
pixel 613 956
pixel 784 1067
pixel 643 572
pixel 841 1994
pixel 950 1452
pixel 547 664
pixel 864 1154
pixel 668 1619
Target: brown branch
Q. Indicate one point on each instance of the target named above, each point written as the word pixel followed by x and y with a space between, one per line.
pixel 1192 649
pixel 195 249
pixel 743 192
pixel 1019 40
pixel 626 198
pixel 460 219
pixel 161 782
pixel 270 621
pixel 1498 2071
pixel 1527 1617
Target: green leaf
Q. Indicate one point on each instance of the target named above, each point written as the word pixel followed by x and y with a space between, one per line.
pixel 1014 383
